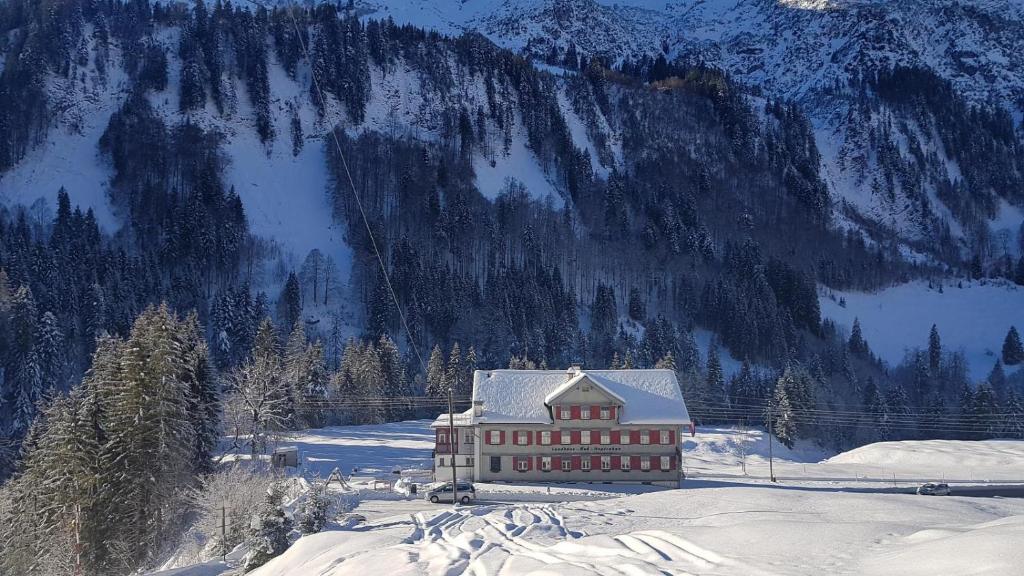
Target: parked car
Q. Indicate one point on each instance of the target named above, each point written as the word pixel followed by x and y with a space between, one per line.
pixel 444 493
pixel 933 489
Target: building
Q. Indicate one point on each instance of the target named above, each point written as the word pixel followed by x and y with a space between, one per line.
pixel 566 426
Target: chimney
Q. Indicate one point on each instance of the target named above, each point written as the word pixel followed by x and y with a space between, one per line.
pixel 478 408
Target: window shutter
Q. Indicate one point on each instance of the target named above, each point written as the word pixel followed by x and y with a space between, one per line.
pixel 574 411
pixel 634 436
pixel 556 437
pixel 595 412
pixel 616 462
pixel 501 437
pixel 612 412
pixel 556 462
pixel 672 436
pixel 539 467
pixel 595 462
pixel 634 462
pixel 558 411
pixel 614 437
pixel 529 437
pixel 574 437
pixel 575 462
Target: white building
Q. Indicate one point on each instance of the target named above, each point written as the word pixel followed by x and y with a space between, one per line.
pixel 566 426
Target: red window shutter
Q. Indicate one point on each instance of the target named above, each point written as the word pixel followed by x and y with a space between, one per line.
pixel 671 462
pixel 612 412
pixel 574 437
pixel 558 412
pixel 537 463
pixel 595 411
pixel 575 462
pixel 634 437
pixel 556 437
pixel 529 438
pixel 574 412
pixel 616 462
pixel 595 462
pixel 672 436
pixel 501 437
pixel 634 462
pixel 556 462
pixel 614 437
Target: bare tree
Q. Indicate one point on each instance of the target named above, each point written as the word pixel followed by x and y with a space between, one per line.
pixel 258 404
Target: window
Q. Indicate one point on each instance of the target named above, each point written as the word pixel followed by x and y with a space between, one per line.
pixel 467 437
pixel 624 437
pixel 522 464
pixel 566 465
pixel 645 437
pixel 625 463
pixel 494 437
pixel 566 413
pixel 545 437
pixel 585 437
pixel 441 461
pixel 545 463
pixel 469 460
pixel 606 413
pixel 495 463
pixel 664 437
pixel 442 438
pixel 585 413
pixel 666 463
pixel 645 463
pixel 606 437
pixel 521 438
pixel 565 437
pixel 606 463
pixel 585 463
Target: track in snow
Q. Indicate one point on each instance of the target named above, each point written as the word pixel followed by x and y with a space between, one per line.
pixel 513 540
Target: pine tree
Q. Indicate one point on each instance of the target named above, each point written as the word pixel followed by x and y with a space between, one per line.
pixel 667 362
pixel 858 346
pixel 437 385
pixel 997 379
pixel 290 303
pixel 295 371
pixel 454 373
pixel 268 532
pixel 715 393
pixel 934 350
pixel 1013 351
pixel 393 375
pixel 784 424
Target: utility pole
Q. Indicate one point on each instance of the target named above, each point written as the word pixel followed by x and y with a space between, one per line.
pixel 771 463
pixel 451 448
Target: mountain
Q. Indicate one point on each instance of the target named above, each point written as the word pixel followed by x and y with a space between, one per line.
pixel 548 182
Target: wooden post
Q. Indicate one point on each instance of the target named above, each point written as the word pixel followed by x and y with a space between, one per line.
pixel 451 448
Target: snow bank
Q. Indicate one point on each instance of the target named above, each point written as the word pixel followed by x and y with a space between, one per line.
pixel 923 455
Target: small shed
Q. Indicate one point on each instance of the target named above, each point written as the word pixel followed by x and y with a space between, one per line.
pixel 285 456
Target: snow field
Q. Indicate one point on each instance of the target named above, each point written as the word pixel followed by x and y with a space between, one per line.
pixel 973 318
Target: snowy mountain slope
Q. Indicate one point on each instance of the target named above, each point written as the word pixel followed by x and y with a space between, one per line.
pixel 973 318
pixel 810 51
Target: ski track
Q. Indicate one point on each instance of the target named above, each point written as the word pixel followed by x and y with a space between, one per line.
pixel 507 540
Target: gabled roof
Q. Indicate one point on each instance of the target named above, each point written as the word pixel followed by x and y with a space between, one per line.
pixel 522 396
pixel 461 419
pixel 554 394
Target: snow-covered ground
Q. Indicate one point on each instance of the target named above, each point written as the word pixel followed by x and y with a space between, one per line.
pixel 972 317
pixel 718 522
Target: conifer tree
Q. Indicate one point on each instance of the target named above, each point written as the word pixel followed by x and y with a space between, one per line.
pixel 934 350
pixel 784 424
pixel 715 394
pixel 437 385
pixel 1013 351
pixel 858 346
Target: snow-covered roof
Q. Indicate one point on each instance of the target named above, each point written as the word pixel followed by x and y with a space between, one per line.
pixel 461 419
pixel 523 396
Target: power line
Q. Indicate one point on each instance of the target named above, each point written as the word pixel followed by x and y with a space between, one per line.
pixel 348 175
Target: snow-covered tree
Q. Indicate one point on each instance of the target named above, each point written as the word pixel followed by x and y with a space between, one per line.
pixel 1013 351
pixel 268 530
